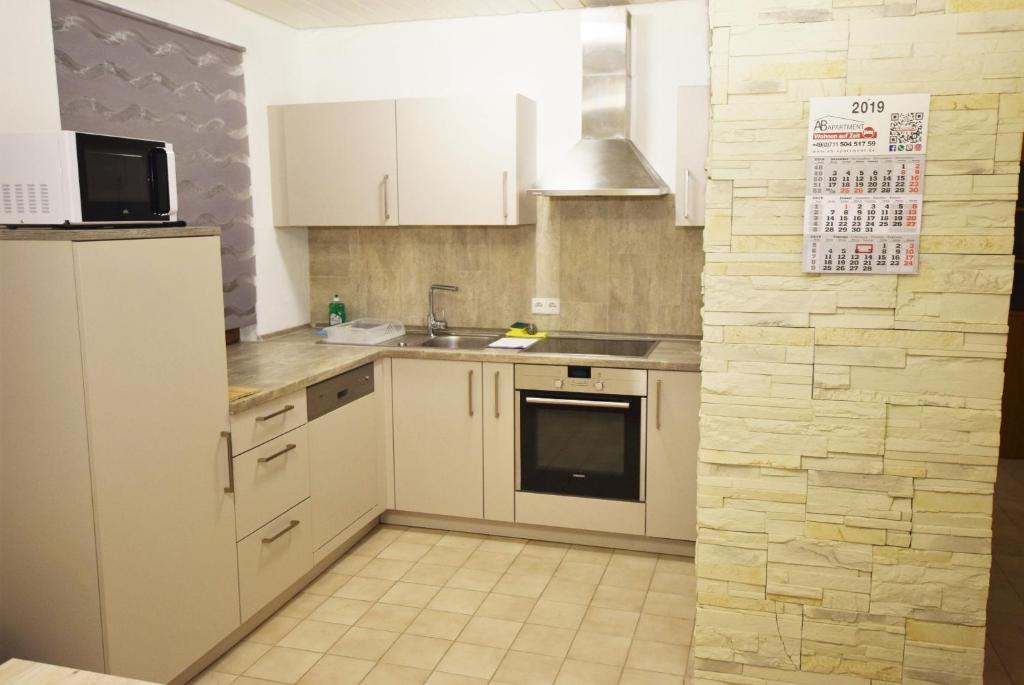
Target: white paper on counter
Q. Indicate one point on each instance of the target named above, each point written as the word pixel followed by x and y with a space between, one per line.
pixel 513 343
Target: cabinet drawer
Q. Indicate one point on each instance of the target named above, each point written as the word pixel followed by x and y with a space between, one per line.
pixel 267 421
pixel 270 479
pixel 273 558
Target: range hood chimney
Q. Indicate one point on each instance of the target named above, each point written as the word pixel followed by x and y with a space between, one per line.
pixel 605 162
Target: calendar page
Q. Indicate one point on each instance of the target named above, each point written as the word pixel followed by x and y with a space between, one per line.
pixel 863 203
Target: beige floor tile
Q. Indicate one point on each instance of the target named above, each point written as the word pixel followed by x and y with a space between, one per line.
pixel 585 673
pixel 212 678
pixel 460 540
pixel 283 664
pixel 301 606
pixel 350 564
pixel 442 624
pixel 657 656
pixel 314 636
pixel 421 536
pixel 438 678
pixel 364 643
pixel 631 578
pixel 417 651
pixel 327 584
pixel 507 607
pixel 521 586
pixel 573 592
pixel 472 660
pixel 600 649
pixel 240 658
pixel 474 579
pixel 409 594
pixel 273 629
pixel 610 621
pixel 676 631
pixel 674 583
pixel 523 668
pixel 376 541
pixel 500 545
pixel 385 569
pixel 665 604
pixel 446 556
pixel 534 566
pixel 404 551
pixel 579 572
pixel 246 680
pixel 545 550
pixel 589 555
pixel 635 560
pixel 388 617
pixel 457 601
pixel 632 676
pixel 490 632
pixel 483 560
pixel 544 640
pixel 557 614
pixel 366 589
pixel 672 564
pixel 393 674
pixel 624 599
pixel 429 574
pixel 341 610
pixel 337 670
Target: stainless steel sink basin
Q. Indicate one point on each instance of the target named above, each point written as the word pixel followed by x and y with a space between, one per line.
pixel 460 342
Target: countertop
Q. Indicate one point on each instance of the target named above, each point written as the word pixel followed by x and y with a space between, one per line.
pixel 34 673
pixel 283 364
pixel 86 234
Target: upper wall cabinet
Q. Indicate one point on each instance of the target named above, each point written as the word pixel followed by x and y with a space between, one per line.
pixel 466 160
pixel 691 176
pixel 453 161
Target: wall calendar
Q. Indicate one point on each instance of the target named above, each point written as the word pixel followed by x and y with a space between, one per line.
pixel 865 184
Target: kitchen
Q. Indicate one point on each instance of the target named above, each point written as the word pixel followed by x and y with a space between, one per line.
pixel 422 507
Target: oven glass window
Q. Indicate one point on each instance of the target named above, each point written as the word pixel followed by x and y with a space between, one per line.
pixel 116 176
pixel 581 441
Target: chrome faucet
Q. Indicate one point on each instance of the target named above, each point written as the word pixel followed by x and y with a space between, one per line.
pixel 433 323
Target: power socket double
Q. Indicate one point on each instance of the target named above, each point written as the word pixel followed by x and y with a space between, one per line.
pixel 545 305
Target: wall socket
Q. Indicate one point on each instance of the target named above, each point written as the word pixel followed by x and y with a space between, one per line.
pixel 546 305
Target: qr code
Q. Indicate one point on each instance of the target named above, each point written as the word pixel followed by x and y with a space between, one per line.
pixel 906 128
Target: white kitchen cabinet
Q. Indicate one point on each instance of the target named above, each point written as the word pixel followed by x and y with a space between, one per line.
pixel 438 437
pixel 270 479
pixel 274 557
pixel 339 163
pixel 466 160
pixel 499 420
pixel 672 439
pixel 123 449
pixel 694 106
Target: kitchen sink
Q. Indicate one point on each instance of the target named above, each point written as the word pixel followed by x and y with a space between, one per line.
pixel 460 342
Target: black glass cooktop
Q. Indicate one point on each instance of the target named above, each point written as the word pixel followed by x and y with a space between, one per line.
pixel 594 347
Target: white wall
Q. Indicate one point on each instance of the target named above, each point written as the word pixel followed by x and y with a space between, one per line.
pixel 534 54
pixel 28 77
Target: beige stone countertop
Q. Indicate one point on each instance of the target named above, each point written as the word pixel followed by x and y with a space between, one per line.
pixel 283 364
pixel 34 673
pixel 86 234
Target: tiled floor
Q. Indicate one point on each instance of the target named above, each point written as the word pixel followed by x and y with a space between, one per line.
pixel 423 606
pixel 1004 654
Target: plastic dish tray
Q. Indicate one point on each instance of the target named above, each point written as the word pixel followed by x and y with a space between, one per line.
pixel 364 332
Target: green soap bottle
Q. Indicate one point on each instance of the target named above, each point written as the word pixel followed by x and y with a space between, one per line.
pixel 336 311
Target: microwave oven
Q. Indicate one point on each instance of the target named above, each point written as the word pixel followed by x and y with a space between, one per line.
pixel 64 178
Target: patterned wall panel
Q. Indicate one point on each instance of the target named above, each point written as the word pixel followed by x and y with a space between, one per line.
pixel 122 74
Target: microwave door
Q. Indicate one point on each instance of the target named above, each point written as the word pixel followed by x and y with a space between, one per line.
pixel 119 179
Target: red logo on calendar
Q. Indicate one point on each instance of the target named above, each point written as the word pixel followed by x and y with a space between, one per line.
pixel 864 248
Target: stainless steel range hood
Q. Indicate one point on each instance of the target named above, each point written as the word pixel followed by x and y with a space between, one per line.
pixel 605 162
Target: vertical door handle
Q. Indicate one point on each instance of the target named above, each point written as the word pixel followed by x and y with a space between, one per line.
pixel 387 208
pixel 231 462
pixel 657 408
pixel 504 195
pixel 497 411
pixel 686 195
pixel 471 392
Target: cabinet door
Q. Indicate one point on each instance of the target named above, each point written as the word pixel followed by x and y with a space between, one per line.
pixel 341 166
pixel 672 436
pixel 345 452
pixel 456 160
pixel 691 177
pixel 499 442
pixel 152 324
pixel 438 437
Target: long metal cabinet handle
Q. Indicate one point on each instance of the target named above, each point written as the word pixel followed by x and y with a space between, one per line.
pixel 231 462
pixel 657 409
pixel 282 410
pixel 291 524
pixel 387 208
pixel 497 395
pixel 275 455
pixel 504 195
pixel 471 392
pixel 577 403
pixel 686 195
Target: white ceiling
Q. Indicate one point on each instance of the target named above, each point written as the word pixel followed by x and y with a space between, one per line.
pixel 317 14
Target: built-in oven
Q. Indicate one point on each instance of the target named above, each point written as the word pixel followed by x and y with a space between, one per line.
pixel 579 431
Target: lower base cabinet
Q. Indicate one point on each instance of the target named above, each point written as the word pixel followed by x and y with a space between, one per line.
pixel 274 557
pixel 673 408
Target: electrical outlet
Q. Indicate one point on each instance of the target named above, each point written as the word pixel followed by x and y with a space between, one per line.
pixel 554 306
pixel 537 305
pixel 545 305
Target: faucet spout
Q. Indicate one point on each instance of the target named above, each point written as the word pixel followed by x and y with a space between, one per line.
pixel 435 324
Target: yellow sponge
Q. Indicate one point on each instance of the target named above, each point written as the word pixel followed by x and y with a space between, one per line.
pixel 521 333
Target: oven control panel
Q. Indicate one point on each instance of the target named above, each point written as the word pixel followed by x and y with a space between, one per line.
pixel 581 379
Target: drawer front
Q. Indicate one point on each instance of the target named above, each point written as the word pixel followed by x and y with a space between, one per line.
pixel 273 558
pixel 269 479
pixel 267 421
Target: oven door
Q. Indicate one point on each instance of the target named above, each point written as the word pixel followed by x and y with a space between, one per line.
pixel 123 179
pixel 581 444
